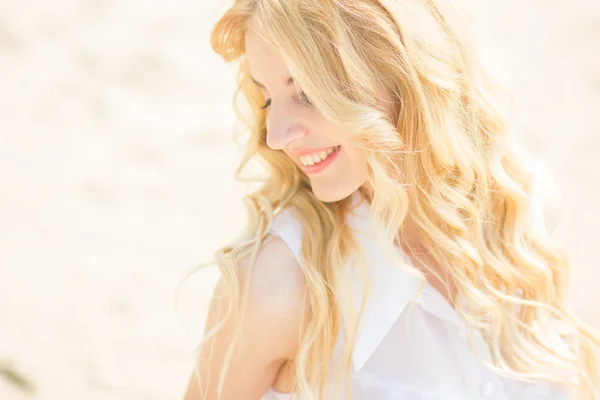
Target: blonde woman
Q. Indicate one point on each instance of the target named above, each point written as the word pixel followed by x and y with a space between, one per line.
pixel 395 250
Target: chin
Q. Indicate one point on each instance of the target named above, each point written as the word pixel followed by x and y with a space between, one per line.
pixel 333 193
pixel 328 196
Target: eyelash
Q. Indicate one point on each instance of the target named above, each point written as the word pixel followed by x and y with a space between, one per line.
pixel 267 104
pixel 304 100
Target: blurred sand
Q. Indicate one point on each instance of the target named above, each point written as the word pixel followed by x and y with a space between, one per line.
pixel 116 165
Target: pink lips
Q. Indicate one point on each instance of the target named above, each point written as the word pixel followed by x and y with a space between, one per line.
pixel 314 169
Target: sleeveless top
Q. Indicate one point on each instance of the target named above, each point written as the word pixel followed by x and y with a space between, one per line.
pixel 433 361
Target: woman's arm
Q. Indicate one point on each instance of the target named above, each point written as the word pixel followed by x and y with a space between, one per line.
pixel 269 333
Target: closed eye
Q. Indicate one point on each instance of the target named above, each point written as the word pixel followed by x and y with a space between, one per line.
pixel 267 104
pixel 304 100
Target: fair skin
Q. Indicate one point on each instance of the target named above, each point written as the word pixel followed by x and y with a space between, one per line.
pixel 269 333
pixel 295 127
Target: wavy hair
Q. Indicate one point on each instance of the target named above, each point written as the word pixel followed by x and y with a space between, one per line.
pixel 446 162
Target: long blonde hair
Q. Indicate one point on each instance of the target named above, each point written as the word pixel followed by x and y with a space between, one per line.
pixel 446 162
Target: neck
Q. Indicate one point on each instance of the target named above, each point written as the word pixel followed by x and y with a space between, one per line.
pixel 409 239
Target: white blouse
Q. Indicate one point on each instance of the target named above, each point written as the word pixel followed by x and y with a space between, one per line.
pixel 434 361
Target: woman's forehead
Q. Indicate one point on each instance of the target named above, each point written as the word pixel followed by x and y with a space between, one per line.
pixel 266 64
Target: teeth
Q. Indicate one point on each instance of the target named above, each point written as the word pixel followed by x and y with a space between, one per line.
pixel 315 158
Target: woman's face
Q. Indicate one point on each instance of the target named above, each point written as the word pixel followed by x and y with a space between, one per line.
pixel 335 166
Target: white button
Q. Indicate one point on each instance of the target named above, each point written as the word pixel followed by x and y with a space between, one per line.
pixel 487 389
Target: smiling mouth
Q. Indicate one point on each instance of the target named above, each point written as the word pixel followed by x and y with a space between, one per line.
pixel 317 167
pixel 317 158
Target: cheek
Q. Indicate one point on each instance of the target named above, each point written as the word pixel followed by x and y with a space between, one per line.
pixel 356 158
pixel 350 147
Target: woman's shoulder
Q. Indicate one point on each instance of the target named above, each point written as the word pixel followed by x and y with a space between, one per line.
pixel 271 285
pixel 275 273
pixel 276 269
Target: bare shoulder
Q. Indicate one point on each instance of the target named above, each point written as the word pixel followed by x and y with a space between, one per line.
pixel 269 333
pixel 274 300
pixel 275 276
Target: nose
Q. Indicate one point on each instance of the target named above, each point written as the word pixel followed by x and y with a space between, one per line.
pixel 282 131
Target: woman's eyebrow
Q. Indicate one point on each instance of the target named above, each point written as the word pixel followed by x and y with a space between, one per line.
pixel 289 81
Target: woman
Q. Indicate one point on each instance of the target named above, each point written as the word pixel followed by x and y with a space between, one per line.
pixel 395 249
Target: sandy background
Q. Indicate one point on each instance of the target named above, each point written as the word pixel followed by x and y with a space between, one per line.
pixel 116 165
